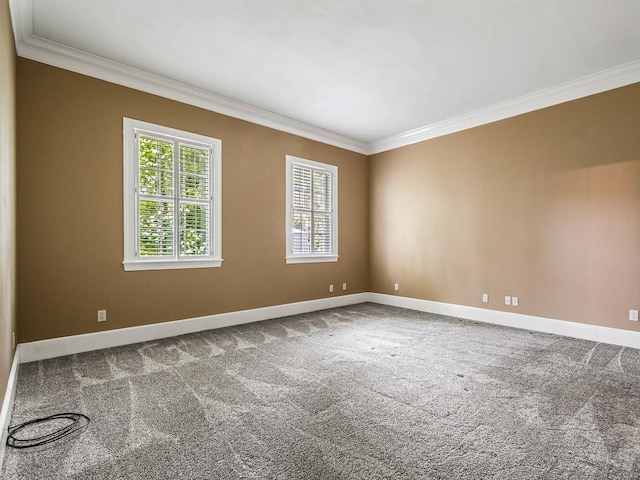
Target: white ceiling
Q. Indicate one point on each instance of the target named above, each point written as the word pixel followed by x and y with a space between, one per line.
pixel 350 72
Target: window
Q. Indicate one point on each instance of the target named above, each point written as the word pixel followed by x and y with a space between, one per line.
pixel 312 211
pixel 172 205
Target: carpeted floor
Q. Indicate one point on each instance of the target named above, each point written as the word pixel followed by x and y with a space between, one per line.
pixel 363 392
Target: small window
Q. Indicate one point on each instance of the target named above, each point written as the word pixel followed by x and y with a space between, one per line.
pixel 312 211
pixel 171 198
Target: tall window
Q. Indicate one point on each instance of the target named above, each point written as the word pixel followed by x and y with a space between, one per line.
pixel 312 211
pixel 171 198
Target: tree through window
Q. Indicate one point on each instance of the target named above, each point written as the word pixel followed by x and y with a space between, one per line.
pixel 172 198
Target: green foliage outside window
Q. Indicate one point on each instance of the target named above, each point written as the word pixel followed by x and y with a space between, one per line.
pixel 158 199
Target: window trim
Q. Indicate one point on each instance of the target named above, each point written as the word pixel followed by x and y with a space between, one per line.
pixel 290 257
pixel 132 262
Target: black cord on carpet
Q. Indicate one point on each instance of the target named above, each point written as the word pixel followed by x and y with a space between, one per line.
pixel 78 422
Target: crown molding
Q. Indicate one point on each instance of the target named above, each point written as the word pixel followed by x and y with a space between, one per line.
pixel 51 53
pixel 21 19
pixel 582 87
pixel 45 51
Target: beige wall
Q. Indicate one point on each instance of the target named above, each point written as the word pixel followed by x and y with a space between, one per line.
pixel 544 206
pixel 7 195
pixel 70 216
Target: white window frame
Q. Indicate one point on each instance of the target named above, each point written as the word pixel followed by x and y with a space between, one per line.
pixel 311 257
pixel 132 261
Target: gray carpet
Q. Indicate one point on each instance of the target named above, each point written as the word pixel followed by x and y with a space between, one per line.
pixel 362 392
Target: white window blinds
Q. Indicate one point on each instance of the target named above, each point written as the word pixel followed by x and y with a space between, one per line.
pixel 195 196
pixel 174 212
pixel 311 215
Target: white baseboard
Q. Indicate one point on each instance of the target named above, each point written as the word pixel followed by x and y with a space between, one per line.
pixel 7 403
pixel 57 347
pixel 595 333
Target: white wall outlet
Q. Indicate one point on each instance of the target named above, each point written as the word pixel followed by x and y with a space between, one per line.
pixel 344 286
pixel 514 301
pixel 13 339
pixel 396 287
pixel 633 315
pixel 507 300
pixel 485 298
pixel 102 315
pixel 330 288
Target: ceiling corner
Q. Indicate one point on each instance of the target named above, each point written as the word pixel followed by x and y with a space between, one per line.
pixel 30 46
pixel 51 53
pixel 603 81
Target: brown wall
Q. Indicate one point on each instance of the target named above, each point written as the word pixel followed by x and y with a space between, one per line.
pixel 70 229
pixel 544 206
pixel 7 195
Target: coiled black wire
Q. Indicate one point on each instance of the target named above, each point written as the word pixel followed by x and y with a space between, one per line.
pixel 78 422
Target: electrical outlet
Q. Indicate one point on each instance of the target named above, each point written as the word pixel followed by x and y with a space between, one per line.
pixel 13 339
pixel 102 315
pixel 633 315
pixel 485 298
pixel 507 300
pixel 330 288
pixel 514 301
pixel 396 287
pixel 344 286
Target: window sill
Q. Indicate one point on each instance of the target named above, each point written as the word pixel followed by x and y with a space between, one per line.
pixel 137 265
pixel 312 258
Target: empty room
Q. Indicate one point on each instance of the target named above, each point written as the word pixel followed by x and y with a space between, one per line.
pixel 319 239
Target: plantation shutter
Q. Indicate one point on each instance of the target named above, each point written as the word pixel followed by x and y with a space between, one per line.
pixel 195 196
pixel 322 210
pixel 174 198
pixel 156 202
pixel 312 210
pixel 301 210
